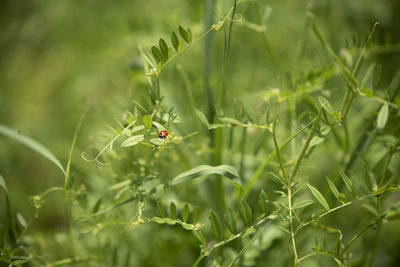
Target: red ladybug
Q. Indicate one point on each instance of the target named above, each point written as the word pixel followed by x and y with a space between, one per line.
pixel 163 135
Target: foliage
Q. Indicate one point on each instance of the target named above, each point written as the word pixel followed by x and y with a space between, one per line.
pixel 291 140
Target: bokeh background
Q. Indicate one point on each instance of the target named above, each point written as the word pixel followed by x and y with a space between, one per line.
pixel 59 58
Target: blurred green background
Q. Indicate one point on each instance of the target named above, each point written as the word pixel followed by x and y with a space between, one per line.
pixel 59 57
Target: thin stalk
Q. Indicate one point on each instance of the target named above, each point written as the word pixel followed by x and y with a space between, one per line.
pixel 346 101
pixel 67 183
pixel 363 231
pixel 278 154
pixel 208 55
pixel 292 233
pixel 218 133
pixel 199 259
pixel 305 147
pixel 331 210
pixel 247 245
pixel 385 170
pixel 326 253
pixel 242 159
pixel 271 155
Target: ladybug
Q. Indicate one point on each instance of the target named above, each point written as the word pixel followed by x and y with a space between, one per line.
pixel 163 135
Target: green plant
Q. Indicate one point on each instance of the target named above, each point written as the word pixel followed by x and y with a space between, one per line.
pixel 278 190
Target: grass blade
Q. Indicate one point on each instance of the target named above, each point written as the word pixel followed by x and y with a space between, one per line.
pixel 200 171
pixel 32 144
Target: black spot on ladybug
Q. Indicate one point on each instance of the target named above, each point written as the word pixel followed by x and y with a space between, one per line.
pixel 163 135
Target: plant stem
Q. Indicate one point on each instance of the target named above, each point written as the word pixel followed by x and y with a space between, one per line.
pixel 291 225
pixel 365 229
pixel 304 148
pixel 271 155
pixel 332 210
pixel 218 133
pixel 278 154
pixel 208 55
pixel 67 185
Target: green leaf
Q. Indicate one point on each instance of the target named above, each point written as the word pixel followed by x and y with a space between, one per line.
pixel 249 112
pixel 148 61
pixel 137 129
pixel 97 205
pixel 318 196
pixel 333 188
pixel 346 181
pixel 22 220
pixel 376 77
pixel 338 244
pixel 9 214
pixel 174 40
pixel 368 92
pixel 159 126
pixel 180 46
pixel 383 116
pixel 199 236
pixel 368 74
pixel 32 144
pixel 246 213
pixel 133 140
pixel 367 176
pixel 147 122
pixel 216 225
pixel 202 117
pixel 263 202
pixel 157 141
pixel 326 105
pixel 164 49
pixel 230 121
pixel 161 209
pixel 185 213
pixel 3 184
pixel 324 130
pixel 316 140
pixel 317 247
pixel 189 35
pixel 163 220
pixel 230 219
pixel 303 203
pixel 197 172
pixel 186 35
pixel 238 109
pixel 196 215
pixel 172 210
pixel 156 54
pixel 371 209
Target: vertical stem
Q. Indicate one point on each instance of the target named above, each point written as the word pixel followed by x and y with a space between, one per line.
pixel 291 225
pixel 242 157
pixel 385 170
pixel 221 101
pixel 305 146
pixel 208 48
pixel 67 182
pixel 278 153
pixel 346 101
